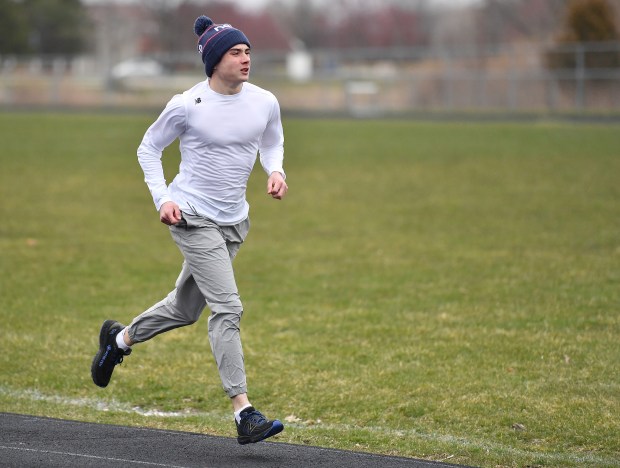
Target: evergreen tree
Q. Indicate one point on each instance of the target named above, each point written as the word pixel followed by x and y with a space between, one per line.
pixel 56 26
pixel 13 27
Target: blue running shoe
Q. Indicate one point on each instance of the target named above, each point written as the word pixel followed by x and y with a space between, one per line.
pixel 109 354
pixel 255 427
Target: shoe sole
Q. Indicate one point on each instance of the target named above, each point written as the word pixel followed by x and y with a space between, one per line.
pixel 105 328
pixel 275 428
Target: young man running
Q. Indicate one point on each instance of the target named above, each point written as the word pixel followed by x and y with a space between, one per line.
pixel 221 124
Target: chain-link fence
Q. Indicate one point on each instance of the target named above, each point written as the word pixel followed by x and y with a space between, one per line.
pixel 508 79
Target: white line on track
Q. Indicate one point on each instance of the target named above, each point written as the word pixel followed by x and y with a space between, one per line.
pixel 70 454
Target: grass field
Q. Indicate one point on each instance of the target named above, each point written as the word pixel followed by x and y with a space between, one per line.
pixel 434 290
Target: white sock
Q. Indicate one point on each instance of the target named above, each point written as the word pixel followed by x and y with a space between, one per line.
pixel 120 342
pixel 238 413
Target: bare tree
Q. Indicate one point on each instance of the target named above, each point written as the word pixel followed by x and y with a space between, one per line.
pixel 304 21
pixel 504 21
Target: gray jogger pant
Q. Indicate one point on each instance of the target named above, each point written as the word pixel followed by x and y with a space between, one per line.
pixel 206 279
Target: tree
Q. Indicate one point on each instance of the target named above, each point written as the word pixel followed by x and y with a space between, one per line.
pixel 14 36
pixel 586 21
pixel 305 22
pixel 56 26
pixel 590 21
pixel 171 23
pixel 503 21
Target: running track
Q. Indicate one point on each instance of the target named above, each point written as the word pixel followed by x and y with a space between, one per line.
pixel 31 441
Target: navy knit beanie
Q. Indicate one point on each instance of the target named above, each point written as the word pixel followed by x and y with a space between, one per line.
pixel 215 40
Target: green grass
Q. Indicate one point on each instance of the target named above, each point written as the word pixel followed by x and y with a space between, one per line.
pixel 440 291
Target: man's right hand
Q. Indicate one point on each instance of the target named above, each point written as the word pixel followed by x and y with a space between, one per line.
pixel 170 213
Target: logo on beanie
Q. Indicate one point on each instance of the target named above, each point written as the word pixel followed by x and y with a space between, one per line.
pixel 219 27
pixel 216 29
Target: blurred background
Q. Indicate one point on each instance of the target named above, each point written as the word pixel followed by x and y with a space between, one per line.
pixel 363 58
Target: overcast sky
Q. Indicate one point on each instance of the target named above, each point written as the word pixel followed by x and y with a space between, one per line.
pixel 253 5
pixel 258 4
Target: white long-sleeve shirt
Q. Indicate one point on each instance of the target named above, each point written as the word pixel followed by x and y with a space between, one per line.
pixel 220 136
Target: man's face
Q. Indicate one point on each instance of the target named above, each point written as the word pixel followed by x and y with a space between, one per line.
pixel 235 64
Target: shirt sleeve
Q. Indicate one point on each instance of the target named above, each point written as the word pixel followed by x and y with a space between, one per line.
pixel 271 146
pixel 168 126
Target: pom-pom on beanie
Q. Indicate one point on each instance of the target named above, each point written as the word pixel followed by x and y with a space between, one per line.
pixel 214 40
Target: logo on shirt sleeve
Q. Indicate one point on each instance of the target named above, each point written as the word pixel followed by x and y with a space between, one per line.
pixel 197 101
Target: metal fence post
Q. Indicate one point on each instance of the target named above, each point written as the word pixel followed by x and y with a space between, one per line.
pixel 448 80
pixel 580 75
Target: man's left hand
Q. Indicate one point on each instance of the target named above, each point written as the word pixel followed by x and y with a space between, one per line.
pixel 276 186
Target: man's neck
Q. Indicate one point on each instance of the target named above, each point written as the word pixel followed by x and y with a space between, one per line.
pixel 224 87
